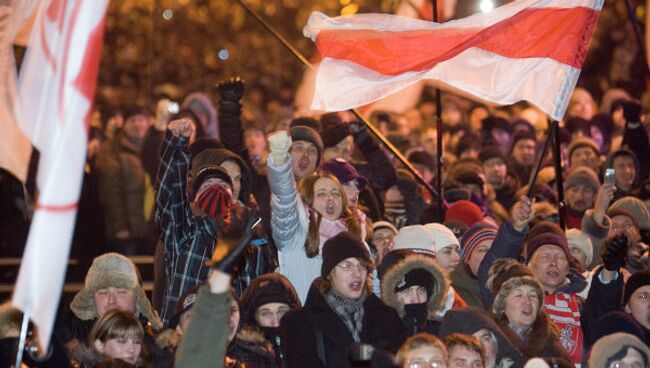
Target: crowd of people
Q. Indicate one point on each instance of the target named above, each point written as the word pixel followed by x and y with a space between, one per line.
pixel 307 244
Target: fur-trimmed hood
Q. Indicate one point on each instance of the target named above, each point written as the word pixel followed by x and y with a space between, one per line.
pixel 398 263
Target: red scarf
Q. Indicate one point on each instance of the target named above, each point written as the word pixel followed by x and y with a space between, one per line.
pixel 564 311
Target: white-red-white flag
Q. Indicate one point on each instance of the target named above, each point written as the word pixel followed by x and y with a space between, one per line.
pixel 56 86
pixel 527 50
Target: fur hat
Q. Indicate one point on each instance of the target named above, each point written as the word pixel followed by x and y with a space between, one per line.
pixel 398 264
pixel 479 232
pixel 414 236
pixel 268 288
pixel 636 208
pixel 307 134
pixel 582 175
pixel 504 277
pixel 605 349
pixel 442 236
pixel 112 270
pixel 341 247
pixel 578 239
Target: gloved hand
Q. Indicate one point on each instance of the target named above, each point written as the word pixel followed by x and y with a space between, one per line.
pixel 615 252
pixel 231 89
pixel 231 244
pixel 632 111
pixel 216 202
pixel 279 142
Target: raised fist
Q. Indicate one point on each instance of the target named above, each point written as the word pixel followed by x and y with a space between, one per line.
pixel 181 127
pixel 231 89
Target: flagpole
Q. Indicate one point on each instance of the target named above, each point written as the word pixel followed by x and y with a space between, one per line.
pixel 361 118
pixel 440 199
pixel 538 165
pixel 555 131
pixel 637 34
pixel 22 340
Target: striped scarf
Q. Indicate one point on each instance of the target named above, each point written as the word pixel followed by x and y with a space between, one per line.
pixel 349 310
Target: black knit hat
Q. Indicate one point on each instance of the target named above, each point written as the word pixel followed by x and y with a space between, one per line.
pixel 307 134
pixel 637 280
pixel 340 247
pixel 422 158
pixel 520 135
pixel 491 152
pixel 215 157
pixel 207 172
pixel 268 288
pixel 306 121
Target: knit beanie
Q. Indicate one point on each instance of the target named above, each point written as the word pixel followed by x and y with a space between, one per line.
pixel 112 270
pixel 637 280
pixel 344 172
pixel 384 225
pixel 606 348
pixel 306 121
pixel 577 239
pixel 521 135
pixel 307 134
pixel 464 211
pixel 340 247
pixel 582 175
pixel 637 210
pixel 583 142
pixel 422 158
pixel 414 236
pixel 547 238
pixel 265 289
pixel 477 234
pixel 489 153
pixel 207 172
pixel 504 277
pixel 443 237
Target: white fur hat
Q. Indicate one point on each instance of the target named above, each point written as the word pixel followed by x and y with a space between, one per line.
pixel 442 235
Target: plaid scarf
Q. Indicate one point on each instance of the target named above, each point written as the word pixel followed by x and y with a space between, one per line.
pixel 349 310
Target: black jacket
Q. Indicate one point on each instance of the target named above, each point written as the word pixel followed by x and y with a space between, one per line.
pixel 382 328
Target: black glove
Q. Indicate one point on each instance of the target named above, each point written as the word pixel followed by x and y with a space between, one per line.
pixel 231 243
pixel 632 111
pixel 615 252
pixel 231 89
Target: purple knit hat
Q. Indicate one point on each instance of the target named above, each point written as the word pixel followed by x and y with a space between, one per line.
pixel 475 235
pixel 549 238
pixel 344 171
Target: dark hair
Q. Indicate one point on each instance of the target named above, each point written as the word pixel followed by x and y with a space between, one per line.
pixel 467 341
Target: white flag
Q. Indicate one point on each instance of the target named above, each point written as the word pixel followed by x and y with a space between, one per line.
pixel 53 107
pixel 15 148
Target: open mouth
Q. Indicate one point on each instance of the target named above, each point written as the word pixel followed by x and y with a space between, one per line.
pixel 329 209
pixel 303 164
pixel 355 286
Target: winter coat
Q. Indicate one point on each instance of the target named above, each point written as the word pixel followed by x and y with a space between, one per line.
pixel 392 272
pixel 121 184
pixel 205 341
pixel 541 341
pixel 470 320
pixel 299 329
pixel 290 222
pixel 467 285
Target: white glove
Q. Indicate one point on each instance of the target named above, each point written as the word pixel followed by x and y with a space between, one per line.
pixel 279 142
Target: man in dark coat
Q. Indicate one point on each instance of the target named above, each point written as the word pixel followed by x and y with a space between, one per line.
pixel 340 311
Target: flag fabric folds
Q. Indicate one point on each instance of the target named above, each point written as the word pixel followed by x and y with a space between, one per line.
pixel 527 50
pixel 53 106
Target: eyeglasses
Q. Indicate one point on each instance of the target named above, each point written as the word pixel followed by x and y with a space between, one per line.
pixel 425 363
pixel 349 267
pixel 621 364
pixel 623 226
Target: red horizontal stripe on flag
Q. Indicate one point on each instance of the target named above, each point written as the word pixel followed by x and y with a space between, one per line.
pixel 57 208
pixel 557 33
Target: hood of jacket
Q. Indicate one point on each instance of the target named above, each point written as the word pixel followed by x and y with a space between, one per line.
pixel 397 264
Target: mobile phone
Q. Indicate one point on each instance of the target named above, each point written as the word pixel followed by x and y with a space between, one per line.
pixel 610 176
